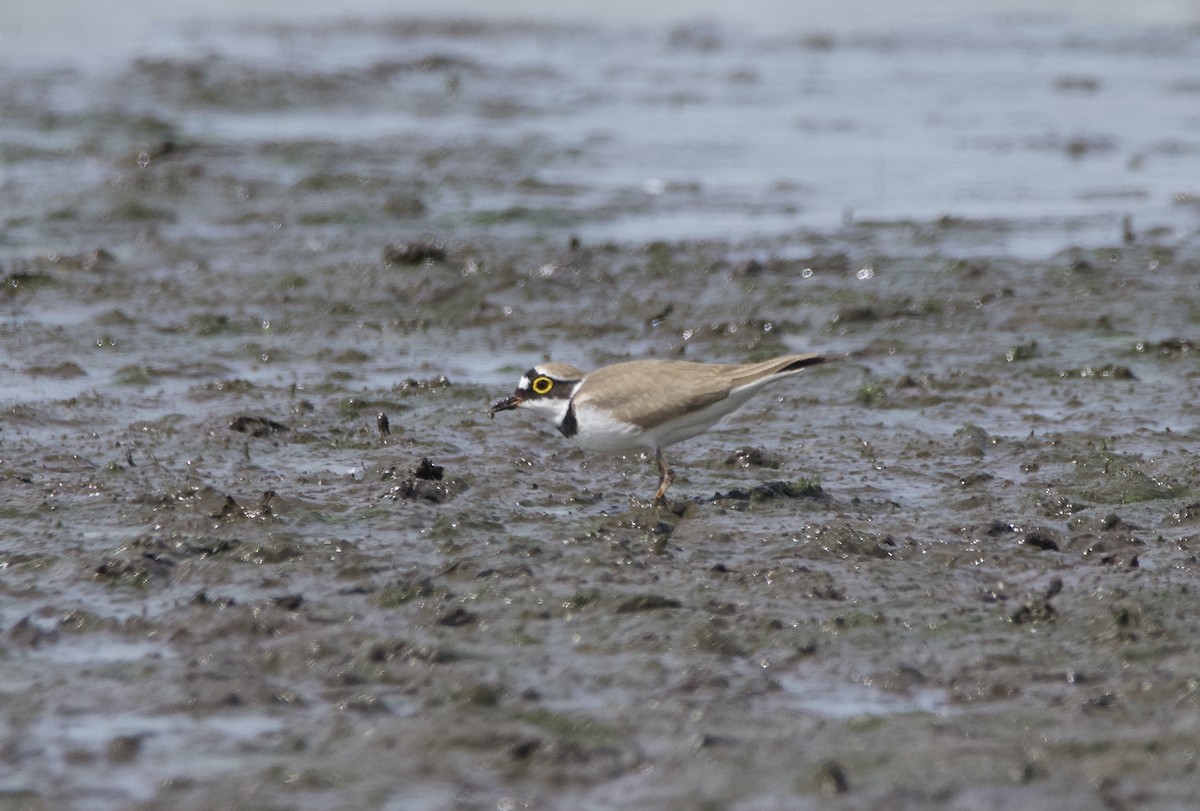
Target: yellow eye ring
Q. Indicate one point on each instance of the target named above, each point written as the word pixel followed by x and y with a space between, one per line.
pixel 541 385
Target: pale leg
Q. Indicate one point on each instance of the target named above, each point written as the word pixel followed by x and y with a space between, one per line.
pixel 665 477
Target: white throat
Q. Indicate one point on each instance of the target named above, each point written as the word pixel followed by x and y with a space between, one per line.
pixel 554 410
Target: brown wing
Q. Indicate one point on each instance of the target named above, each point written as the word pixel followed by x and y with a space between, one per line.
pixel 650 392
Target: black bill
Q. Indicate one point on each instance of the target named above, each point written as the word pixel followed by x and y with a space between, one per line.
pixel 507 404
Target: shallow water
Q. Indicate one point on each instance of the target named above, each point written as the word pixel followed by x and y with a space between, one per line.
pixel 961 579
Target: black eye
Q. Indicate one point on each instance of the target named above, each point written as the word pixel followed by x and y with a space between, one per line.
pixel 541 385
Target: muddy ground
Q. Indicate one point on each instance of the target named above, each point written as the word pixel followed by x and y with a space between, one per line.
pixel 954 569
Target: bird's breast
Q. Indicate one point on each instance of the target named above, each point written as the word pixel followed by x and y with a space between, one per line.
pixel 600 430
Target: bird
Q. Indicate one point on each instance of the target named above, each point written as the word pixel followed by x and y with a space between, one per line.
pixel 644 404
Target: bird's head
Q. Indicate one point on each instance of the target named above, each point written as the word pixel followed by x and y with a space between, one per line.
pixel 546 387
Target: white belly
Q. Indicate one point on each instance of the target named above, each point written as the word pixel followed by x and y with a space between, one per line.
pixel 599 431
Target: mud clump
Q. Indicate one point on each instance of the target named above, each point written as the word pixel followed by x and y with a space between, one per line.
pixel 1039 609
pixel 774 490
pixel 457 618
pixel 423 482
pixel 257 427
pixel 646 602
pixel 747 457
pixel 133 567
pixel 414 253
pixel 428 471
pixel 1044 539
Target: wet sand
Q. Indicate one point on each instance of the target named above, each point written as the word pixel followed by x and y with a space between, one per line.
pixel 954 569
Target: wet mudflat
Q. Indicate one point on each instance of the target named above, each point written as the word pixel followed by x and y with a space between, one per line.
pixel 957 568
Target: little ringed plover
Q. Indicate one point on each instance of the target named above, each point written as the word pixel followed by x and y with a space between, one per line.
pixel 644 404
